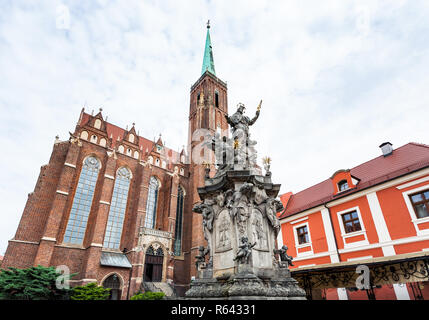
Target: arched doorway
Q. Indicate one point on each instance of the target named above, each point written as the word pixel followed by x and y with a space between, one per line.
pixel 153 264
pixel 114 284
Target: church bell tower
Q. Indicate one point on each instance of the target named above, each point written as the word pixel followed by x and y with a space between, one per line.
pixel 207 110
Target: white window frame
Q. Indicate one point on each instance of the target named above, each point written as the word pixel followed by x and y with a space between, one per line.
pixel 345 235
pixel 304 245
pixel 416 221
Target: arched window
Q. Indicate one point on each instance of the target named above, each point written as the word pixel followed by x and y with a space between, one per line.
pixel 152 198
pixel 82 201
pixel 97 124
pixel 114 284
pixel 112 237
pixel 179 223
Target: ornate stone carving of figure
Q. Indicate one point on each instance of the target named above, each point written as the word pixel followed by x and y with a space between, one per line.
pixel 224 153
pixel 271 208
pixel 260 195
pixel 284 257
pixel 259 233
pixel 239 122
pixel 201 257
pixel 224 234
pixel 238 205
pixel 206 209
pixel 245 251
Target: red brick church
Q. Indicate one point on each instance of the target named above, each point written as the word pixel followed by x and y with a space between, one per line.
pixel 115 207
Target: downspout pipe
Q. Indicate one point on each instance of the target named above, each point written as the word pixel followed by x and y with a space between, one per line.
pixel 333 230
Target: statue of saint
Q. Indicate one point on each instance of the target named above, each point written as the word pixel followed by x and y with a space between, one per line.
pixel 240 123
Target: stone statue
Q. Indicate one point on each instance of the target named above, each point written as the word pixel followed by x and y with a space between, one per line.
pixel 224 154
pixel 238 205
pixel 239 122
pixel 245 251
pixel 206 209
pixel 201 257
pixel 272 207
pixel 284 257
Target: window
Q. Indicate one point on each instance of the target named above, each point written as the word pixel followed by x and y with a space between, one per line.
pixel 84 135
pixel 103 142
pixel 152 198
pixel 118 204
pixel 343 185
pixel 114 284
pixel 302 233
pixel 351 222
pixel 82 201
pixel 216 99
pixel 97 124
pixel 420 202
pixel 179 221
pixel 131 138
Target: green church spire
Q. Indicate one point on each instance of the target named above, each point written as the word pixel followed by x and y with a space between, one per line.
pixel 208 63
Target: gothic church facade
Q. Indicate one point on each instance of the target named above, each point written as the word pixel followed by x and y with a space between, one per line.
pixel 115 207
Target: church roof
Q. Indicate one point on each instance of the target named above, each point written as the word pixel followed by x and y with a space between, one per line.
pixel 115 132
pixel 405 159
pixel 208 62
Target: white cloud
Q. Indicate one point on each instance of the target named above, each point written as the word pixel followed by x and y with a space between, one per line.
pixel 337 79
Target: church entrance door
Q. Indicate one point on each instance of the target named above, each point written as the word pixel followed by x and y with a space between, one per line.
pixel 153 265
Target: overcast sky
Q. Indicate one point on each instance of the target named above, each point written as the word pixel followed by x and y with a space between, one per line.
pixel 337 78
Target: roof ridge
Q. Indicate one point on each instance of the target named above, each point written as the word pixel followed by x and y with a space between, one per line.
pixel 380 156
pixel 419 144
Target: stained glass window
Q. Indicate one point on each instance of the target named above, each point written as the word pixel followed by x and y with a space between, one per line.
pixel 82 201
pixel 152 198
pixel 118 204
pixel 179 221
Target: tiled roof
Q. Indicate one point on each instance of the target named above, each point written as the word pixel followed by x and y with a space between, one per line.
pixel 408 158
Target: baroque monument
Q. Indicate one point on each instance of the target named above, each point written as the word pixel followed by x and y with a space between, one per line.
pixel 238 207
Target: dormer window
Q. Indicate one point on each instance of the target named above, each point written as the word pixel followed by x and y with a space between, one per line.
pixel 343 185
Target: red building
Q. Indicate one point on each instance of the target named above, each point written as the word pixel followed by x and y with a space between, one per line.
pixel 115 207
pixel 375 214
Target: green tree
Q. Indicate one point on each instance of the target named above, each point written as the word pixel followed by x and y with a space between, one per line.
pixel 90 292
pixel 35 283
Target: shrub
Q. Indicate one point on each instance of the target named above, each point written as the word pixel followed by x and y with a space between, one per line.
pixel 148 295
pixel 35 283
pixel 90 291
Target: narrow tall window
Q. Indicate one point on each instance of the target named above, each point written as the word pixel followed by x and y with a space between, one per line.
pixel 82 201
pixel 152 198
pixel 115 222
pixel 302 233
pixel 420 203
pixel 216 100
pixel 351 222
pixel 179 222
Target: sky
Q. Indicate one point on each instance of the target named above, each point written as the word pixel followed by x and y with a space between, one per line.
pixel 337 79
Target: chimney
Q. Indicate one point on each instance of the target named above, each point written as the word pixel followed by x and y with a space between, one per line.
pixel 386 148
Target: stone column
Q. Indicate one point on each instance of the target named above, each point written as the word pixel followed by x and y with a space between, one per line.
pixel 172 224
pixel 137 254
pixel 47 242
